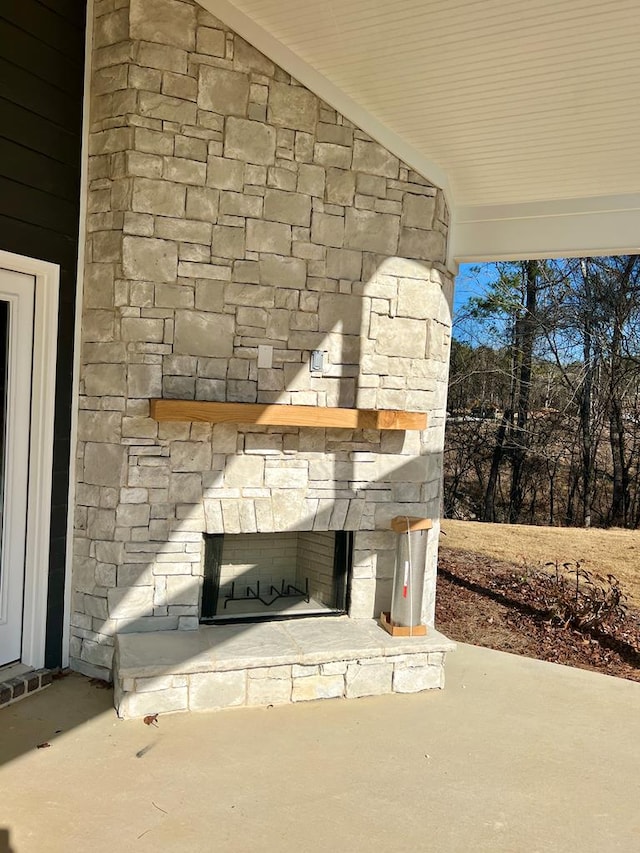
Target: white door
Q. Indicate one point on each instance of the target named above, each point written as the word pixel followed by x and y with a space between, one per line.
pixel 17 292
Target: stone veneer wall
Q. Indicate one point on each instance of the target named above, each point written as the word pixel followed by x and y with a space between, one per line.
pixel 230 208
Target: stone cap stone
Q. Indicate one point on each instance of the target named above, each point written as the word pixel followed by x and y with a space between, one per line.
pixel 220 648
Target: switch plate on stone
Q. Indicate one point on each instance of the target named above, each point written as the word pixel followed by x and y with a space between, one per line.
pixel 317 361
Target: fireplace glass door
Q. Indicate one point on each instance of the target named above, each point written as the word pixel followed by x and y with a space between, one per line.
pixel 262 576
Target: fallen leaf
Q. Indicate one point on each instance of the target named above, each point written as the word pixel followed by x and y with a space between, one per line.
pixel 151 720
pixel 44 745
pixel 100 683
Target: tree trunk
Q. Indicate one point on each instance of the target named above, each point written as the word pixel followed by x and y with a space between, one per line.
pixel 520 437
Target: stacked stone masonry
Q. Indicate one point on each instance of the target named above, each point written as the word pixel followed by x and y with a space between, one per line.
pixel 279 685
pixel 230 209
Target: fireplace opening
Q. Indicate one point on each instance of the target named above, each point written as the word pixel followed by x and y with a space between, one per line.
pixel 262 576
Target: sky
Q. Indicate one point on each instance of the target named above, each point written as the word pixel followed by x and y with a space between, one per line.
pixel 470 281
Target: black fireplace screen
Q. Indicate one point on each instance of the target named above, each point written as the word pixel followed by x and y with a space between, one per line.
pixel 260 576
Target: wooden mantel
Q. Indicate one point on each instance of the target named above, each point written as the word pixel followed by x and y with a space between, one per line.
pixel 284 415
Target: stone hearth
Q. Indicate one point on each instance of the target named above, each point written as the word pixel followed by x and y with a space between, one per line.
pixel 271 664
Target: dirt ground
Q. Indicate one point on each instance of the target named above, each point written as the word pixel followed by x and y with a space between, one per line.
pixel 493 590
pixel 606 552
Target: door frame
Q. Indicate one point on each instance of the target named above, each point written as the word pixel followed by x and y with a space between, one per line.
pixel 43 381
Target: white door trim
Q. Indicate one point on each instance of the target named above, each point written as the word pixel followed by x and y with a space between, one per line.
pixel 45 337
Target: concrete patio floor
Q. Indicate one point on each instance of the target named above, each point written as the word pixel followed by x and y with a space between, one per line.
pixel 514 755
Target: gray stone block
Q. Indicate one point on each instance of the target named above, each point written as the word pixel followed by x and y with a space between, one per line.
pixel 227 242
pixel 203 333
pixel 341 185
pixel 251 141
pixel 292 106
pixel 223 91
pixel 340 313
pixel 374 232
pixel 105 464
pixel 162 198
pixel 327 230
pixel 417 211
pixel 427 245
pixel 210 41
pixel 289 207
pixel 328 154
pixel 225 174
pixel 283 272
pixel 374 159
pixel 168 22
pixel 271 237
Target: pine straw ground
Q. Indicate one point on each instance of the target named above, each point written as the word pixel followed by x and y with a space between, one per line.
pixel 505 605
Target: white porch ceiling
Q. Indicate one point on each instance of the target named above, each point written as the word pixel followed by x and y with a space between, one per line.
pixel 523 110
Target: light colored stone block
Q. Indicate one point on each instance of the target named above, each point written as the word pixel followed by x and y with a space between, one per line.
pixel 416 243
pixel 105 464
pixel 202 333
pixel 373 679
pixel 183 230
pixel 311 180
pixel 165 108
pixel 104 379
pixel 318 687
pixel 223 91
pixel 413 679
pixel 251 141
pixel 340 313
pixel 327 230
pixel 144 380
pixel 292 106
pixel 268 691
pixel 149 259
pixel 400 337
pixel 210 41
pixel 283 272
pixel 328 154
pixel 344 263
pixel 185 488
pixel 182 589
pixel 415 298
pixel 247 58
pixel 374 232
pixel 167 22
pixel 244 471
pixel 130 602
pixel 239 204
pixel 338 667
pixel 225 174
pixel 99 426
pixel 374 159
pixel 417 211
pixel 162 198
pixel 289 207
pixel 190 456
pixel 271 237
pixel 341 185
pixel 209 691
pixel 227 242
pixel 154 702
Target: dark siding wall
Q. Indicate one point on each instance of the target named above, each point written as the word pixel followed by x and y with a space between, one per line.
pixel 41 89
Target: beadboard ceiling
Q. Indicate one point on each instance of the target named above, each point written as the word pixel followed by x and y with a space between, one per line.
pixel 508 104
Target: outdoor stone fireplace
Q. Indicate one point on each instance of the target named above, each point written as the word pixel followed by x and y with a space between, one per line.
pixel 247 244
